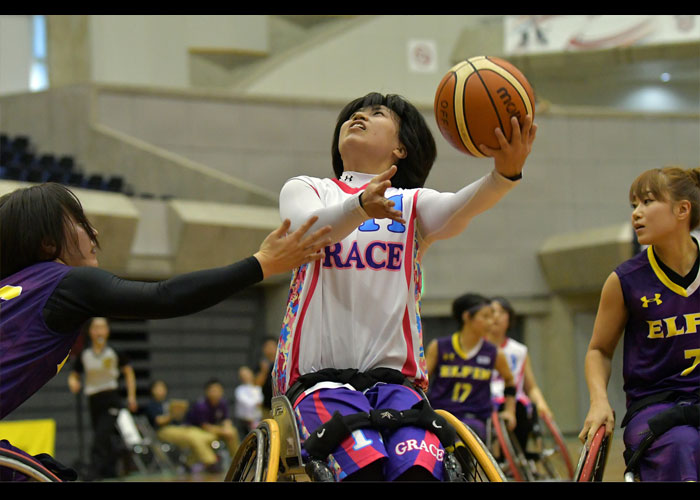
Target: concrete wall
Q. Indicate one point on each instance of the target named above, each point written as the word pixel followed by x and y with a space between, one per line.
pixel 15 53
pixel 576 179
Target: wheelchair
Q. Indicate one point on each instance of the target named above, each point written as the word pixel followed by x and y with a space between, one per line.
pixel 591 465
pixel 593 457
pixel 545 457
pixel 27 466
pixel 273 453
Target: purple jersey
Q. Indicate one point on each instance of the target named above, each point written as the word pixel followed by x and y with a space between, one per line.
pixel 462 381
pixel 201 412
pixel 661 341
pixel 30 353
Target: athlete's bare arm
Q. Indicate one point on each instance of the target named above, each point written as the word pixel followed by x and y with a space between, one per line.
pixel 607 330
pixel 502 368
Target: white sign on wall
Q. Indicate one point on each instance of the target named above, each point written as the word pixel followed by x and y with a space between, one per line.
pixel 422 56
pixel 529 34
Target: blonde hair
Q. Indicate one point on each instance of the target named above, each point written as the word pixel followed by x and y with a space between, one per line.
pixel 671 183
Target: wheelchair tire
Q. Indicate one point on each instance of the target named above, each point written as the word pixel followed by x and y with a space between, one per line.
pixel 257 458
pixel 27 466
pixel 510 451
pixel 554 454
pixel 591 464
pixel 476 461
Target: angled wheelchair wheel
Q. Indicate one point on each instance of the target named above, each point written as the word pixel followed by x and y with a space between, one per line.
pixel 27 466
pixel 508 452
pixel 552 459
pixel 591 464
pixel 257 458
pixel 478 465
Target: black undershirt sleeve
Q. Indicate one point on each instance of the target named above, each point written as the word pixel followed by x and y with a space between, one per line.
pixel 87 292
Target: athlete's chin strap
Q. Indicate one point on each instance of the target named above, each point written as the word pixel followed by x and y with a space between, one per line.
pixel 328 436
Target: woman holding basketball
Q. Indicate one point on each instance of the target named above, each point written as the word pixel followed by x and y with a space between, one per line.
pixel 50 285
pixel 654 298
pixel 357 309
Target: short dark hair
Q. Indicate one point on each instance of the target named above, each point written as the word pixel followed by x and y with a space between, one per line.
pixel 414 134
pixel 33 217
pixel 212 381
pixel 470 302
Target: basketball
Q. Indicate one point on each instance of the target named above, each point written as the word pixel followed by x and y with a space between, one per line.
pixel 478 95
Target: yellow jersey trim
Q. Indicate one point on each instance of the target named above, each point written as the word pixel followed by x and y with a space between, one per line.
pixel 662 276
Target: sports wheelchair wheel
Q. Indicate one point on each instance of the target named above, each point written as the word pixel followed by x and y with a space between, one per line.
pixel 257 458
pixel 478 465
pixel 550 456
pixel 591 463
pixel 507 450
pixel 27 466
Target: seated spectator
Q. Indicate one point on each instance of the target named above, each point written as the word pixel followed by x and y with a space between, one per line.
pixel 211 413
pixel 248 399
pixel 167 417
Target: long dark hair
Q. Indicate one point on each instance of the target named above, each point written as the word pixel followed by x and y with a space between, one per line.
pixel 35 218
pixel 414 134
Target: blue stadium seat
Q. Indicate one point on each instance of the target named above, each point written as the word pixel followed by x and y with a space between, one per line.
pixel 36 174
pixel 75 179
pixel 115 184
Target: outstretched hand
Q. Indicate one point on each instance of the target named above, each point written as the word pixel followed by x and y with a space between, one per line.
pixel 373 201
pixel 510 158
pixel 281 252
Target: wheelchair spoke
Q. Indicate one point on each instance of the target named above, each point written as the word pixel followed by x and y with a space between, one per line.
pixel 477 462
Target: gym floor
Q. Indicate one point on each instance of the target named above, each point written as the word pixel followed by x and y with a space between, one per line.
pixel 614 468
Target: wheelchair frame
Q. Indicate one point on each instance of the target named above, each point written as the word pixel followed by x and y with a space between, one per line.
pixel 521 466
pixel 503 441
pixel 27 466
pixel 273 452
pixel 593 458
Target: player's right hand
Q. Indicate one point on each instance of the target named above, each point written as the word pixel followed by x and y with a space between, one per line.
pixel 599 414
pixel 373 201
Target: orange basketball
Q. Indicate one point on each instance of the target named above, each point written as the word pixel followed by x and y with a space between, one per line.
pixel 478 95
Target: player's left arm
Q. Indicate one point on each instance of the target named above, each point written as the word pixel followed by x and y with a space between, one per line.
pixel 442 215
pixel 431 357
pixel 533 390
pixel 130 379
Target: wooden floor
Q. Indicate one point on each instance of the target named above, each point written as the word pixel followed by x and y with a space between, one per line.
pixel 614 469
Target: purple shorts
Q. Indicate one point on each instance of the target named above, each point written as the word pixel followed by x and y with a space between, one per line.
pixel 674 456
pixel 398 450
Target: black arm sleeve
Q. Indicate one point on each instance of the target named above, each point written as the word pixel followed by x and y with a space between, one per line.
pixel 87 292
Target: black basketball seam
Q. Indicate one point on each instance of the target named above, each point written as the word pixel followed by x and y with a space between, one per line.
pixel 466 122
pixel 532 101
pixel 454 109
pixel 493 104
pixel 522 99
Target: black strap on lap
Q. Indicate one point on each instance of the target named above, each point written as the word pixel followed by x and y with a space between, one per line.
pixel 659 424
pixel 328 436
pixel 357 379
pixel 659 397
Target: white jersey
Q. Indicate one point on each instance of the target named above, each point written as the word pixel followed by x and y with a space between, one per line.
pixel 516 354
pixel 359 306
